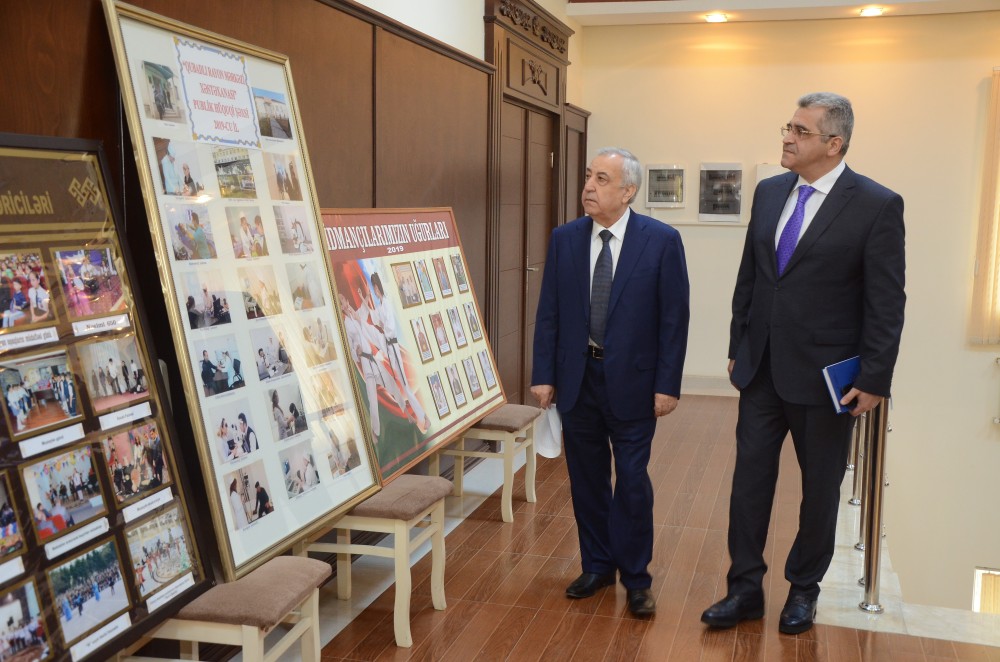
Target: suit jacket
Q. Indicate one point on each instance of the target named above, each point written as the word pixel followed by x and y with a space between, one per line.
pixel 841 293
pixel 646 335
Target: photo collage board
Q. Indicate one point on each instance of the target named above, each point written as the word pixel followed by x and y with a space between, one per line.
pixel 414 333
pixel 232 211
pixel 97 540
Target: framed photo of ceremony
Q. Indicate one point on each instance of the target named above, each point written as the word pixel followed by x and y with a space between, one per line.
pixel 234 222
pixel 74 373
pixel 401 280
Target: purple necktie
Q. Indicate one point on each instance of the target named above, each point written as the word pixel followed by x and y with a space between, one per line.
pixel 790 235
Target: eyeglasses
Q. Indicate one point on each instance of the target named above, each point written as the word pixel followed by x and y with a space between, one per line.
pixel 799 132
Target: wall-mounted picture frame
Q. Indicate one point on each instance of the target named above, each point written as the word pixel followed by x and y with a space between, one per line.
pixel 665 186
pixel 720 192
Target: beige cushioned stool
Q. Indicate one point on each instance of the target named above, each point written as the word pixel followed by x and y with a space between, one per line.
pixel 513 427
pixel 407 502
pixel 242 612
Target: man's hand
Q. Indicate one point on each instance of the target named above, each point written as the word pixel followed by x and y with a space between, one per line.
pixel 732 363
pixel 866 401
pixel 663 404
pixel 545 394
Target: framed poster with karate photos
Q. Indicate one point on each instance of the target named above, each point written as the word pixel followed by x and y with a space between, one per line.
pixel 234 222
pixel 86 437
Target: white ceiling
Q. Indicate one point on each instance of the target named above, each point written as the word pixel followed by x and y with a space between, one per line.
pixel 694 11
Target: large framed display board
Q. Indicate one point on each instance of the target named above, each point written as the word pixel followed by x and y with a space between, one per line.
pixel 98 543
pixel 230 199
pixel 413 328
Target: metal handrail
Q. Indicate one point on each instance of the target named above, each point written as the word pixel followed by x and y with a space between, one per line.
pixel 878 429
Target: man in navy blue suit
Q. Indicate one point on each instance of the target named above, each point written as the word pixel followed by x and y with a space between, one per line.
pixel 610 338
pixel 821 281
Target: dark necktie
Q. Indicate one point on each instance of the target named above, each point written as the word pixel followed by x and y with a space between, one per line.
pixel 600 291
pixel 790 235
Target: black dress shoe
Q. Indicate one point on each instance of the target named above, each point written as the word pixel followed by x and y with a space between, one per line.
pixel 589 583
pixel 798 614
pixel 641 602
pixel 734 608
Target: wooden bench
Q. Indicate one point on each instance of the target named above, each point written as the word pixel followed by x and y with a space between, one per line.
pixel 407 503
pixel 512 427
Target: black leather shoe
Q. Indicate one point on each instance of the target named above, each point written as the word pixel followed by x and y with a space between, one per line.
pixel 798 614
pixel 589 583
pixel 641 602
pixel 734 608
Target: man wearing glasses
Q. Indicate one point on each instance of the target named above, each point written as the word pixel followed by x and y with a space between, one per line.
pixel 821 280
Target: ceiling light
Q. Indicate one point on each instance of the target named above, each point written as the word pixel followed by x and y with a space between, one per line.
pixel 716 18
pixel 872 11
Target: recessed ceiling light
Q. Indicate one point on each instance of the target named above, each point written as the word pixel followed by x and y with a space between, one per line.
pixel 716 18
pixel 872 11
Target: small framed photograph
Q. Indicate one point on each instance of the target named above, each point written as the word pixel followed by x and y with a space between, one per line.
pixel 270 347
pixel 444 282
pixel 440 334
pixel 487 365
pixel 461 280
pixel 720 192
pixel 326 391
pixel 299 468
pixel 11 535
pixel 457 392
pixel 236 430
pixel 191 235
pixel 260 291
pixel 25 614
pixel 91 285
pixel 273 114
pixel 246 232
pixel 338 442
pixel 40 393
pixel 234 172
pixel 475 330
pixel 63 491
pixel 475 390
pixel 294 234
pixel 318 340
pixel 306 285
pixel 282 172
pixel 159 551
pixel 249 495
pixel 288 416
pixel 126 374
pixel 88 590
pixel 160 97
pixel 420 335
pixel 136 461
pixel 24 290
pixel 220 364
pixel 179 170
pixel 456 327
pixel 424 278
pixel 665 186
pixel 406 284
pixel 437 392
pixel 205 299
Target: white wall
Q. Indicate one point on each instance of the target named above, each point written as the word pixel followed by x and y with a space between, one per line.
pixel 920 85
pixel 458 23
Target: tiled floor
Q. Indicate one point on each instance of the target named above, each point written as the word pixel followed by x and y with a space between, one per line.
pixel 505 582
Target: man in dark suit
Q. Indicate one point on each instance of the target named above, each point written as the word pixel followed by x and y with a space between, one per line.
pixel 821 281
pixel 610 338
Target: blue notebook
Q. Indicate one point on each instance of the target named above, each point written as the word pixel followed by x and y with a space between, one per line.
pixel 840 379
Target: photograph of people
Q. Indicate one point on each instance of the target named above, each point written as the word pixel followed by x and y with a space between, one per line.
pixel 325 392
pixel 486 363
pixel 318 341
pixel 444 282
pixel 23 634
pixel 170 175
pixel 282 176
pixel 38 299
pixel 475 330
pixel 455 382
pixel 241 222
pixel 11 537
pixel 234 172
pixel 238 502
pixel 295 233
pixel 406 284
pixel 159 551
pixel 306 285
pixel 440 335
pixel 475 390
pixel 63 490
pixel 136 461
pixel 24 290
pixel 91 285
pixel 424 278
pixel 270 351
pixel 299 469
pixel 287 415
pixel 456 327
pixel 260 291
pixel 234 428
pixel 461 280
pixel 336 439
pixel 272 114
pixel 220 365
pixel 420 335
pixel 88 591
pixel 437 391
pixel 204 298
pixel 126 376
pixel 249 494
pixel 190 232
pixel 39 392
pixel 159 95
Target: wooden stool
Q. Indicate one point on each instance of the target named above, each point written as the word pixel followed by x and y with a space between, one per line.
pixel 243 612
pixel 408 502
pixel 512 426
